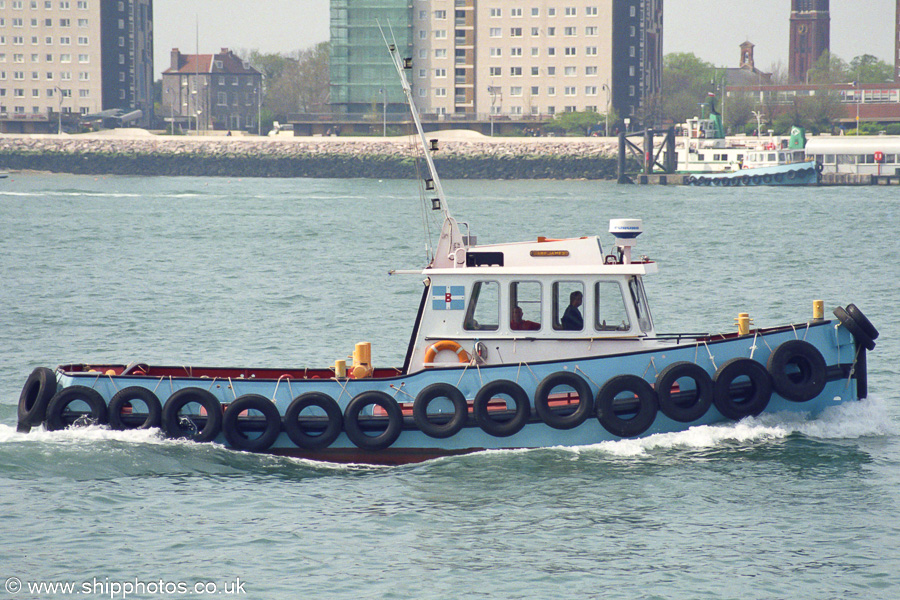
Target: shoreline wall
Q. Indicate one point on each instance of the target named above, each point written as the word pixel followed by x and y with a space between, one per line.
pixel 326 158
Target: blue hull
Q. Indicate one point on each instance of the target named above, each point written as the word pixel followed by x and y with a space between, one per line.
pixel 792 174
pixel 844 381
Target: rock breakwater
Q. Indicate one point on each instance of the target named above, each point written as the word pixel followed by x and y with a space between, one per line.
pixel 383 158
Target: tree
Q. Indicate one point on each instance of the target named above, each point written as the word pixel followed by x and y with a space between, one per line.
pixel 314 77
pixel 829 69
pixel 686 82
pixel 868 69
pixel 578 123
pixel 293 82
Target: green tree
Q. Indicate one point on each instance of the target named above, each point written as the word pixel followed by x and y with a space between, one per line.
pixel 868 69
pixel 829 69
pixel 576 123
pixel 686 81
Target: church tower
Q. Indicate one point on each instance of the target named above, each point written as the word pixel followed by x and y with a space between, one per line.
pixel 747 55
pixel 810 36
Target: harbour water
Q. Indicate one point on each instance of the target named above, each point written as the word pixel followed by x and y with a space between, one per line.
pixel 293 272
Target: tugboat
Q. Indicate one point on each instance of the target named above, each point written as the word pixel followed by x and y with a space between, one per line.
pixel 541 343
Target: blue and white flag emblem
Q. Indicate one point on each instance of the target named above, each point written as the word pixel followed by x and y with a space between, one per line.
pixel 448 297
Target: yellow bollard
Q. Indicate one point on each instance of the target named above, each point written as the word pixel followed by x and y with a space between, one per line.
pixel 743 321
pixel 340 369
pixel 818 310
pixel 362 360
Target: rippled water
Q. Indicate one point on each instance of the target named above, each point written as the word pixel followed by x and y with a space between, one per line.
pixel 294 272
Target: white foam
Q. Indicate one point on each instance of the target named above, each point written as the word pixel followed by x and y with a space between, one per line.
pixel 851 420
pixel 94 433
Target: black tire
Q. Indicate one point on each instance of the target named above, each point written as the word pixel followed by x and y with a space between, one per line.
pixel 767 178
pixel 57 416
pixel 231 423
pixel 127 396
pixel 864 323
pixel 213 421
pixel 610 411
pixel 510 426
pixel 354 430
pixel 791 174
pixel 819 167
pixel 37 392
pixel 678 408
pixel 299 432
pixel 797 369
pixel 691 180
pixel 454 424
pixel 701 181
pixel 745 179
pixel 732 403
pixel 779 177
pixel 755 179
pixel 853 327
pixel 563 421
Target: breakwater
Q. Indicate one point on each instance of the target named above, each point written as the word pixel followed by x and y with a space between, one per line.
pixel 382 158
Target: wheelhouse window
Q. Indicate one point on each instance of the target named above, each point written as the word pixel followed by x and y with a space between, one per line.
pixel 525 306
pixel 568 297
pixel 636 288
pixel 483 313
pixel 609 307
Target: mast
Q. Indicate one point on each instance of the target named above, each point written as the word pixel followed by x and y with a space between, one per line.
pixel 451 241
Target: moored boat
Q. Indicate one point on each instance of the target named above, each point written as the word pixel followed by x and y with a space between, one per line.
pixel 581 363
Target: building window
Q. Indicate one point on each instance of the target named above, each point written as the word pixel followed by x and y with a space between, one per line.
pixel 569 90
pixel 535 31
pixel 569 71
pixel 535 12
pixel 440 34
pixel 590 11
pixel 440 14
pixel 569 31
pixel 551 70
pixel 440 92
pixel 496 52
pixel 535 71
pixel 551 31
pixel 571 11
pixel 440 72
pixel 495 71
pixel 590 90
pixel 515 71
pixel 551 51
pixel 515 12
pixel 516 90
pixel 590 51
pixel 440 53
pixel 496 12
pixel 535 90
pixel 591 31
pixel 515 52
pixel 495 32
pixel 515 32
pixel 590 70
pixel 570 50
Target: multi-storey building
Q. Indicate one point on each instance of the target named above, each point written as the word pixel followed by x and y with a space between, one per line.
pixel 75 56
pixel 211 91
pixel 475 58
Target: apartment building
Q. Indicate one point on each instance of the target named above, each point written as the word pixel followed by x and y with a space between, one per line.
pixel 75 56
pixel 478 58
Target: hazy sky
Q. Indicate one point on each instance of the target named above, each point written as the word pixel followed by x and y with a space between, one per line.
pixel 711 29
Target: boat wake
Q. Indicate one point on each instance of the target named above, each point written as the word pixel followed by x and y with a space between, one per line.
pixel 851 420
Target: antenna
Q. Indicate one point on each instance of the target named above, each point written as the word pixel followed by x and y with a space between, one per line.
pixel 451 240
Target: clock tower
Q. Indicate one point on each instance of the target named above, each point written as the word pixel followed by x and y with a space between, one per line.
pixel 810 36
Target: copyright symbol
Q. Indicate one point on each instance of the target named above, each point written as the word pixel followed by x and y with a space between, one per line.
pixel 13 585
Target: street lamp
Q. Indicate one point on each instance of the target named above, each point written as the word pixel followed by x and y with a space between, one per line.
pixel 606 88
pixel 493 91
pixel 758 116
pixel 59 95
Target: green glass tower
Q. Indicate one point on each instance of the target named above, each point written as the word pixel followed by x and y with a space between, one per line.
pixel 362 75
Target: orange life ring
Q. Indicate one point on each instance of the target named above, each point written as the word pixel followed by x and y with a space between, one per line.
pixel 436 347
pixel 879 157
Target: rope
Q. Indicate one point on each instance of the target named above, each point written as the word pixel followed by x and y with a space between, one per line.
pixel 577 368
pixel 753 345
pixel 113 381
pixel 400 390
pixel 712 359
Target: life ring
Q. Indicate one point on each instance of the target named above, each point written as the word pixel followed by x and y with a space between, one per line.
pixel 686 405
pixel 59 418
pixel 864 323
pixel 355 431
pixel 486 420
pixel 451 345
pixel 300 429
pixel 779 177
pixel 560 420
pixel 175 426
pixel 37 392
pixel 767 178
pixel 735 403
pixel 610 411
pixel 445 427
pixel 127 397
pixel 861 337
pixel 879 156
pixel 231 423
pixel 745 179
pixel 797 369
